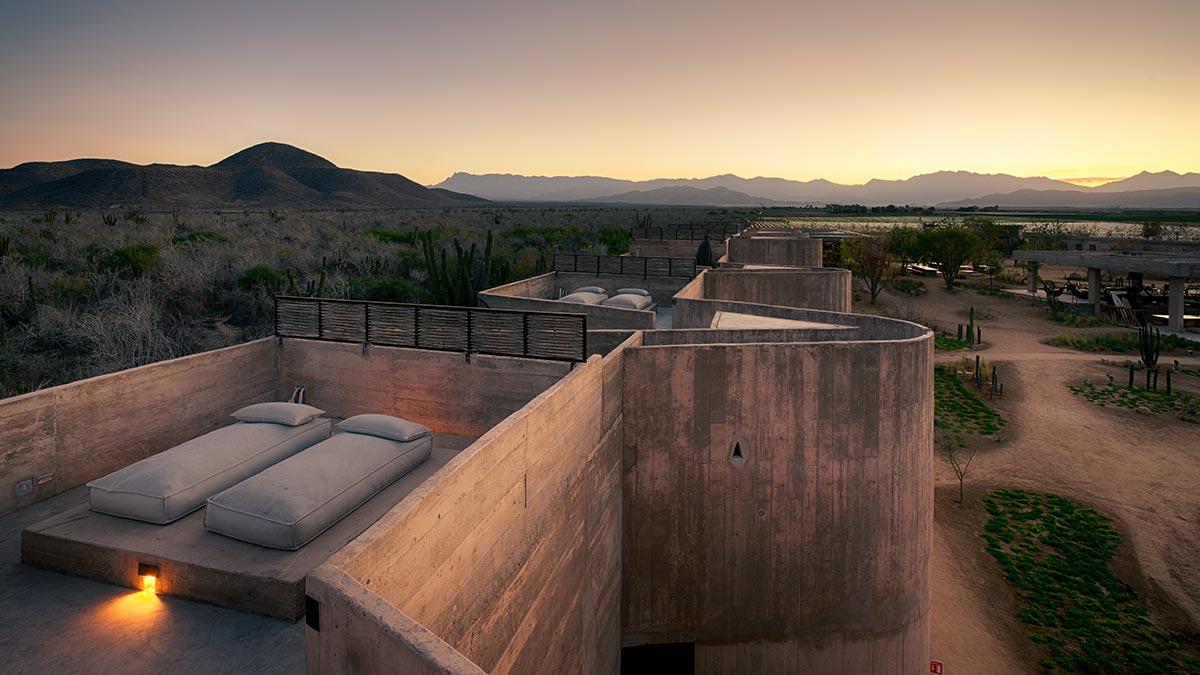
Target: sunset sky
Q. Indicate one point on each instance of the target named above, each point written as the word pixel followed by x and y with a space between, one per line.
pixel 833 88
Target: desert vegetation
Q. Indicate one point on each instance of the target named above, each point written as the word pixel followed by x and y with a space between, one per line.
pixel 1058 555
pixel 84 293
pixel 958 410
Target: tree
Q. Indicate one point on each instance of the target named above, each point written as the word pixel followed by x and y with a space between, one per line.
pixel 704 254
pixel 904 243
pixel 869 259
pixel 949 445
pixel 947 248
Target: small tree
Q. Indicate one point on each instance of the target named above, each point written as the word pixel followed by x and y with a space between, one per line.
pixel 870 260
pixel 904 243
pixel 958 457
pixel 947 248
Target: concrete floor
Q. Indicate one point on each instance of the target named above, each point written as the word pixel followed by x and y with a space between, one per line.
pixel 55 623
pixel 662 317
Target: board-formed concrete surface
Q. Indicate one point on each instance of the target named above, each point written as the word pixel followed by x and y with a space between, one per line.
pixel 792 249
pixel 201 565
pixel 507 561
pixel 56 623
pixel 75 432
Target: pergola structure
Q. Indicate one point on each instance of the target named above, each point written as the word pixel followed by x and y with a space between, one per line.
pixel 1177 268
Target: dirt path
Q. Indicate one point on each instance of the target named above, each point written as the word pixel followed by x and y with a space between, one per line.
pixel 1141 471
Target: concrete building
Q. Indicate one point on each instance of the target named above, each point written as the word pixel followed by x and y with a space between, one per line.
pixel 751 487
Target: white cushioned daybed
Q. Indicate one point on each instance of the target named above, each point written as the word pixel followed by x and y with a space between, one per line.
pixel 629 301
pixel 171 484
pixel 584 298
pixel 291 503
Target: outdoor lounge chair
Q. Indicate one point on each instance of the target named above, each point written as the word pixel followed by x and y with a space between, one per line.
pixel 171 484
pixel 291 503
pixel 629 301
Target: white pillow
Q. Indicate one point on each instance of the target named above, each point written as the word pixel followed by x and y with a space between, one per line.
pixel 384 426
pixel 588 289
pixel 287 414
pixel 633 291
pixel 628 301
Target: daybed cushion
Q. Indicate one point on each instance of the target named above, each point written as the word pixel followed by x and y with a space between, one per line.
pixel 628 301
pixel 168 486
pixel 590 289
pixel 384 426
pixel 289 504
pixel 291 414
pixel 633 291
pixel 584 298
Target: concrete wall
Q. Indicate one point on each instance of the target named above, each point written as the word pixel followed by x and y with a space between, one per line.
pixel 441 390
pixel 811 553
pixel 507 561
pixel 86 429
pixel 795 251
pixel 820 288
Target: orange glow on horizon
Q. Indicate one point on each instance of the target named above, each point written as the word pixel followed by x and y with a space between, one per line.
pixel 847 91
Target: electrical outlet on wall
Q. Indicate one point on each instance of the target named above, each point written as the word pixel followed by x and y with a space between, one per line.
pixel 24 487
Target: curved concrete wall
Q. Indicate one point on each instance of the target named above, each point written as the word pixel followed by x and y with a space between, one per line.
pixel 810 553
pixel 822 288
pixel 794 251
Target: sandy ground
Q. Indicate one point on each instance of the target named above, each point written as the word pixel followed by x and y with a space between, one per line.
pixel 1141 471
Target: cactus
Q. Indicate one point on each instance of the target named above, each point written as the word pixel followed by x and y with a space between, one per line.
pixel 459 283
pixel 971 329
pixel 5 245
pixel 109 219
pixel 1149 345
pixel 312 288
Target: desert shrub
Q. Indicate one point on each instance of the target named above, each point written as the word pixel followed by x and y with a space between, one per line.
pixel 1080 320
pixel 198 237
pixel 33 256
pixel 129 261
pixel 1114 342
pixel 394 236
pixel 260 276
pixel 1154 400
pixel 388 289
pixel 908 286
pixel 615 240
pixel 947 343
pixel 1058 555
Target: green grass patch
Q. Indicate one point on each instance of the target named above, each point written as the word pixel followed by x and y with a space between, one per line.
pixel 1058 555
pixel 1155 400
pixel 947 343
pixel 1115 342
pixel 959 410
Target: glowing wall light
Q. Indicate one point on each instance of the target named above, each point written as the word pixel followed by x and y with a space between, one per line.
pixel 149 576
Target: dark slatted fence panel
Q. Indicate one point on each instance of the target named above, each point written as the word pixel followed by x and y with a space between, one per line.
pixel 691 232
pixel 624 264
pixel 468 330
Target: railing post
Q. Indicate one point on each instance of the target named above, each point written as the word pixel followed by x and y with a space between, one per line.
pixel 469 313
pixel 525 334
pixel 367 323
pixel 320 321
pixel 416 328
pixel 276 316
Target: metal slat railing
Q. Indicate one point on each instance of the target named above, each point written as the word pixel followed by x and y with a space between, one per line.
pixel 624 264
pixel 694 232
pixel 466 330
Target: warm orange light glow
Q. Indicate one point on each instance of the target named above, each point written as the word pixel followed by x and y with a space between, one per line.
pixel 150 583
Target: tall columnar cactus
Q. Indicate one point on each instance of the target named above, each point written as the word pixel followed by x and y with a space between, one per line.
pixel 312 288
pixel 457 283
pixel 1149 345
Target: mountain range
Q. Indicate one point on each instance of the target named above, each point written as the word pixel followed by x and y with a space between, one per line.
pixel 261 176
pixel 949 189
pixel 277 175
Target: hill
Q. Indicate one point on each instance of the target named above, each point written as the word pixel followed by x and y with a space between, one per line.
pixel 683 195
pixel 261 176
pixel 919 190
pixel 1170 198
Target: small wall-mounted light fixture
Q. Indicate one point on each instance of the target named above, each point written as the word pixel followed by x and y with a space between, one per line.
pixel 149 576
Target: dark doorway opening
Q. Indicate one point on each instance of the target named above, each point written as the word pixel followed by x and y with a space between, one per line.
pixel 669 658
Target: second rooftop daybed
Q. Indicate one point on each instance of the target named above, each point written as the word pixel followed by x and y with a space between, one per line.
pixel 294 501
